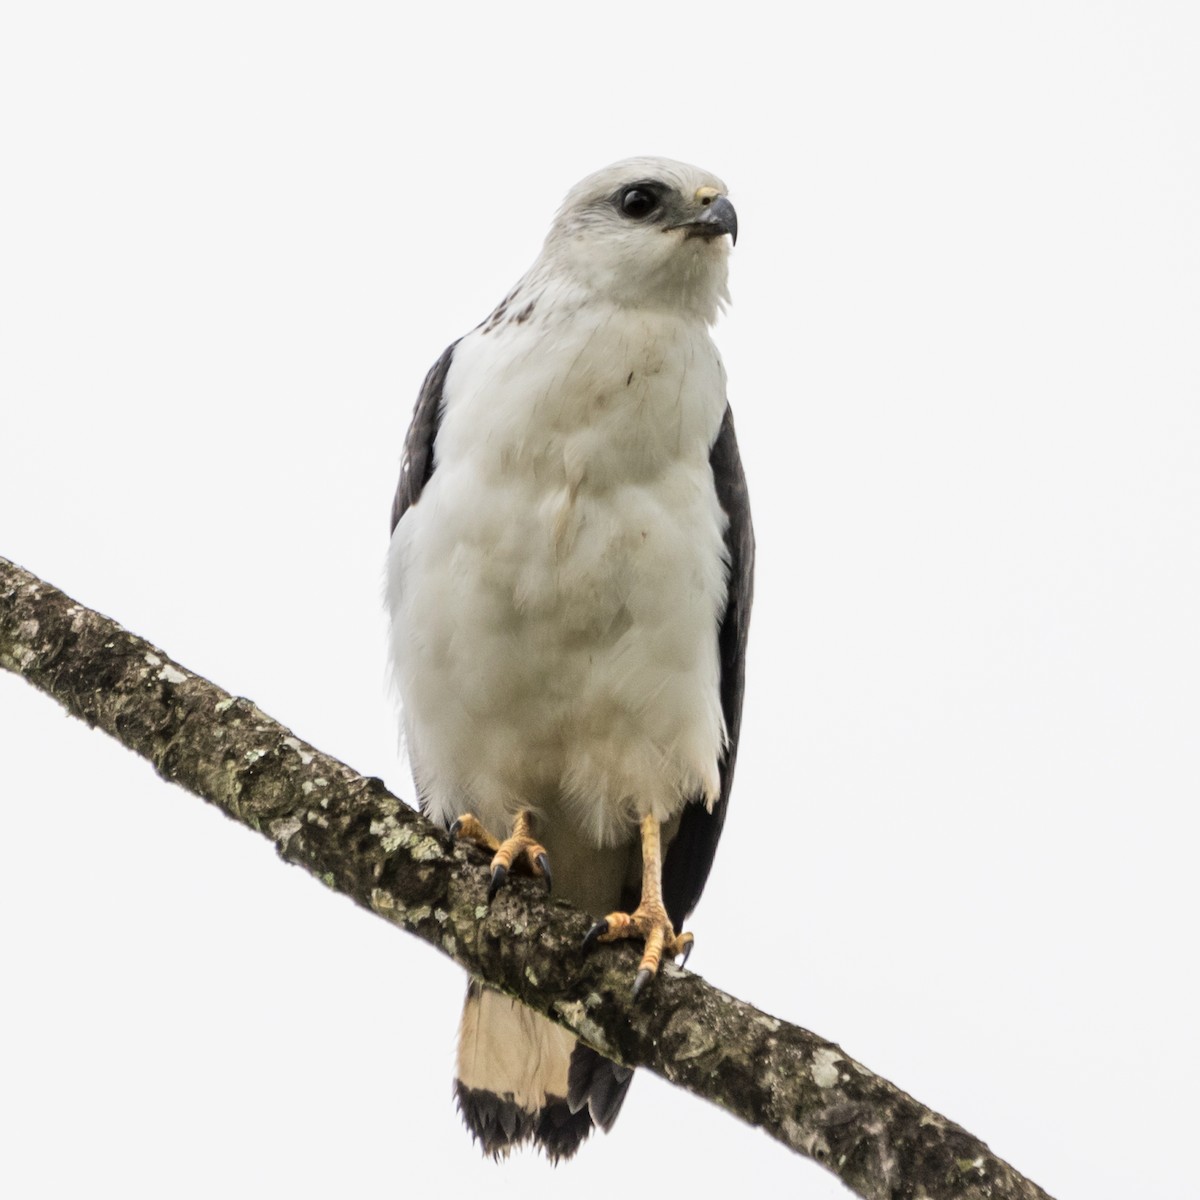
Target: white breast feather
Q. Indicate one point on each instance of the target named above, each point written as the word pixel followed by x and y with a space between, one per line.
pixel 556 591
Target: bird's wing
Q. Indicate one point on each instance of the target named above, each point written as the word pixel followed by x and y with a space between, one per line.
pixel 417 464
pixel 690 855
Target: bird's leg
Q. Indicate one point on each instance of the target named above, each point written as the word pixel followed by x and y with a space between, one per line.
pixel 521 849
pixel 649 921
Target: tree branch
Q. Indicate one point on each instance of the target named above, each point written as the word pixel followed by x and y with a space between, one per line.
pixel 352 833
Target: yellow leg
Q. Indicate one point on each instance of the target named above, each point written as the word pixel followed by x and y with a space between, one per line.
pixel 521 849
pixel 649 921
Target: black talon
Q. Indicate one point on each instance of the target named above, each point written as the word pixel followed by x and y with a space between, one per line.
pixel 593 935
pixel 687 950
pixel 456 827
pixel 499 875
pixel 643 977
pixel 543 862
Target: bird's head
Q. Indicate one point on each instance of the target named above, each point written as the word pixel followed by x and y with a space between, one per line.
pixel 647 232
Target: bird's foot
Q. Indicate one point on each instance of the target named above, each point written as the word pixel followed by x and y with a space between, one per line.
pixel 521 851
pixel 649 921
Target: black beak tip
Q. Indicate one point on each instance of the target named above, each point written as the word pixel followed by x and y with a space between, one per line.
pixel 728 217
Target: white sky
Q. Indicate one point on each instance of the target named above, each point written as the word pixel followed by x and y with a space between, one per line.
pixel 963 357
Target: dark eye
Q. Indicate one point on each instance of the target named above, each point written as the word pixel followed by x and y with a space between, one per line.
pixel 638 202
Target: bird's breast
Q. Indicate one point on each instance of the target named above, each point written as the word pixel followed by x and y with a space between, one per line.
pixel 606 397
pixel 564 569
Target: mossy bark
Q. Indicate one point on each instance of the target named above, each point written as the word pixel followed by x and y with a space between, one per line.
pixel 352 833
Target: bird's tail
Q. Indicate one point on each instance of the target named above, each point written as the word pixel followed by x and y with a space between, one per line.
pixel 523 1078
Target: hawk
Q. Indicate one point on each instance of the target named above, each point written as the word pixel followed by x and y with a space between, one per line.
pixel 569 583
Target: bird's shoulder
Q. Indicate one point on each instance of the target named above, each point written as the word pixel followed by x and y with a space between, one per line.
pixel 416 465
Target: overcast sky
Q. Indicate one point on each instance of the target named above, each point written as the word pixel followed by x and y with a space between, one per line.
pixel 963 354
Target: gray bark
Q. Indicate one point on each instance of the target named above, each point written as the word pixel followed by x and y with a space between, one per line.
pixel 352 833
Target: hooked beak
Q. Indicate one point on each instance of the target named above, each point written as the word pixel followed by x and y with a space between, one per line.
pixel 717 217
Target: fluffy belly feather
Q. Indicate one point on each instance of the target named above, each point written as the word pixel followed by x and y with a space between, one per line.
pixel 555 609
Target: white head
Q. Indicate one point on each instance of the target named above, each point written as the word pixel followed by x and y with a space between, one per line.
pixel 646 232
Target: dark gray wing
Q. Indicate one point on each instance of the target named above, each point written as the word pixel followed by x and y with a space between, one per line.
pixel 417 464
pixel 690 854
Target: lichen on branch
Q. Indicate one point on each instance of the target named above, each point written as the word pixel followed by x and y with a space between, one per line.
pixel 351 832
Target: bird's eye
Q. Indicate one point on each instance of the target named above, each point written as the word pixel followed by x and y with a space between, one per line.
pixel 637 202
